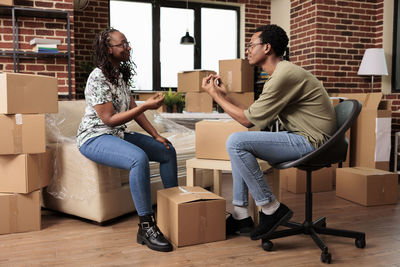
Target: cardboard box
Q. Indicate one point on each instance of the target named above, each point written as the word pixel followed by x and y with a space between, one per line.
pixel 22 133
pixel 237 75
pixel 6 2
pixel 295 180
pixel 198 102
pixel 367 186
pixel 190 215
pixel 26 93
pixel 190 81
pixel 211 136
pixel 245 99
pixel 20 212
pixel 371 134
pixel 25 173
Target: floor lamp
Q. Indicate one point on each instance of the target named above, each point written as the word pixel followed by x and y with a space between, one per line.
pixel 373 63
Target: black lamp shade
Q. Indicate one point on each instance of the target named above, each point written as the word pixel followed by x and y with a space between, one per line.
pixel 187 39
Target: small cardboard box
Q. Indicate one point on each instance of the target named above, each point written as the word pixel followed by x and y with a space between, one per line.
pixel 367 186
pixel 371 134
pixel 190 81
pixel 237 75
pixel 198 102
pixel 25 173
pixel 6 2
pixel 20 212
pixel 295 181
pixel 27 93
pixel 245 99
pixel 211 136
pixel 190 215
pixel 22 133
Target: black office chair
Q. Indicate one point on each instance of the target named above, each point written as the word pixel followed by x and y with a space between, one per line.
pixel 333 151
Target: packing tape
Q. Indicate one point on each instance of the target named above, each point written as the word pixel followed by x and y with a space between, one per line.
pixel 203 222
pixel 13 213
pixel 17 134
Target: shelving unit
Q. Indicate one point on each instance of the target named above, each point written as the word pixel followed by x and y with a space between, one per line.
pixel 17 54
pixel 396 152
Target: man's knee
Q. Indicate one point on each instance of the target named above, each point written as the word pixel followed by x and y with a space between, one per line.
pixel 234 141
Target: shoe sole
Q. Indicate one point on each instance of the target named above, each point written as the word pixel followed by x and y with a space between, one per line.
pixel 143 241
pixel 283 220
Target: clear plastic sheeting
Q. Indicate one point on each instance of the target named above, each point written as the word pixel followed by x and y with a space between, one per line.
pixel 77 178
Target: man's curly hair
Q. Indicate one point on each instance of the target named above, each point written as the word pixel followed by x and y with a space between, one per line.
pixel 274 35
pixel 102 60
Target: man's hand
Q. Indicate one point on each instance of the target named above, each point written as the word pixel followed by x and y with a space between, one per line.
pixel 163 140
pixel 212 84
pixel 155 101
pixel 220 85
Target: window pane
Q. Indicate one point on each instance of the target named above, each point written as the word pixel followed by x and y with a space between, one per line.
pixel 135 21
pixel 174 56
pixel 218 42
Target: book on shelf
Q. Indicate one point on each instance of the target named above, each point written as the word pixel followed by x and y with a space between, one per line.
pixel 35 41
pixel 45 48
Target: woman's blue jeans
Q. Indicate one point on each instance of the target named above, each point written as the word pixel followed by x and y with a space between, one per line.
pixel 273 147
pixel 133 153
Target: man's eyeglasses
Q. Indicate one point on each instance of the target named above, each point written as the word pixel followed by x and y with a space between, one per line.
pixel 124 45
pixel 250 46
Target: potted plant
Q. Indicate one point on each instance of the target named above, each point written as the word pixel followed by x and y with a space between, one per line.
pixel 170 100
pixel 180 103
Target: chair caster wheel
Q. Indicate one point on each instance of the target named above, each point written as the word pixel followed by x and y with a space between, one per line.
pixel 360 243
pixel 326 257
pixel 267 245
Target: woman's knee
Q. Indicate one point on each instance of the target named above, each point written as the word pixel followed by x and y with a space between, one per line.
pixel 139 159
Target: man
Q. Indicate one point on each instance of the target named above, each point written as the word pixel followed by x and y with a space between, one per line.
pixel 299 101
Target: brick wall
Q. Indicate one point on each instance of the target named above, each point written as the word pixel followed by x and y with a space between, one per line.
pixel 42 28
pixel 88 22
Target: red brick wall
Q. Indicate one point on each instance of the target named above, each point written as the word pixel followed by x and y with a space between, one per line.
pixel 43 28
pixel 88 23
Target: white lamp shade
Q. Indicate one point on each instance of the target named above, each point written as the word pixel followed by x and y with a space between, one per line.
pixel 373 62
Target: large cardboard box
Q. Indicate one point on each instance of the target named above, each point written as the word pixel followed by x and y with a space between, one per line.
pixel 190 81
pixel 295 180
pixel 237 75
pixel 367 186
pixel 22 133
pixel 190 215
pixel 20 212
pixel 25 173
pixel 27 93
pixel 245 99
pixel 198 102
pixel 211 136
pixel 371 134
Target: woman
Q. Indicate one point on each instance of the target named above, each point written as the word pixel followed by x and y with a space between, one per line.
pixel 102 138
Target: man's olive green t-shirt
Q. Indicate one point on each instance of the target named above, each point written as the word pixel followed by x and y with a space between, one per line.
pixel 298 100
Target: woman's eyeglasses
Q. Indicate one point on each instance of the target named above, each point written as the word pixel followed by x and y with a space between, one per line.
pixel 124 45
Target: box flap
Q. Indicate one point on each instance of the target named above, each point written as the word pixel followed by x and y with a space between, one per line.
pixel 372 101
pixel 196 70
pixel 186 194
pixel 369 171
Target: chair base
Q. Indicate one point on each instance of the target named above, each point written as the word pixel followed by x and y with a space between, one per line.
pixel 313 229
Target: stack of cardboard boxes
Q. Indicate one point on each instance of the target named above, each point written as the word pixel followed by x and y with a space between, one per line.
pixel 236 74
pixel 24 163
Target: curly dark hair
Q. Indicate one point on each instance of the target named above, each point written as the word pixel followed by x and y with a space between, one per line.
pixel 102 60
pixel 274 35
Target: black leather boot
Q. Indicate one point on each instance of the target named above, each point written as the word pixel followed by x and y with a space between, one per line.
pixel 151 235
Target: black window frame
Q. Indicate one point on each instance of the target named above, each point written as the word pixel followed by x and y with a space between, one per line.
pixel 196 7
pixel 396 47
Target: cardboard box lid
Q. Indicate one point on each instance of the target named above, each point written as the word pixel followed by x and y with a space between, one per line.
pixel 198 70
pixel 187 194
pixel 365 171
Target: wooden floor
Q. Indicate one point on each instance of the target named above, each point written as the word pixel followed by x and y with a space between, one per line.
pixel 66 241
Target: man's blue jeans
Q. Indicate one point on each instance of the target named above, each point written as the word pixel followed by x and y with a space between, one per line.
pixel 133 154
pixel 273 147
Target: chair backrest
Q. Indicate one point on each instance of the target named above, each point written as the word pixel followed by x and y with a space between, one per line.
pixel 335 149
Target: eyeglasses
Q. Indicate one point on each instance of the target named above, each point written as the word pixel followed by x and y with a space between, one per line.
pixel 123 44
pixel 250 46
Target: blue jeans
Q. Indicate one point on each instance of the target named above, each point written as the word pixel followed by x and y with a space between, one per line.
pixel 133 154
pixel 273 147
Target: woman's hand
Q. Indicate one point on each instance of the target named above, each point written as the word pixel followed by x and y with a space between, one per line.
pixel 155 101
pixel 163 140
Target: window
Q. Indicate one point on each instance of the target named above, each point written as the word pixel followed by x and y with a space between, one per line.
pixel 155 29
pixel 396 49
